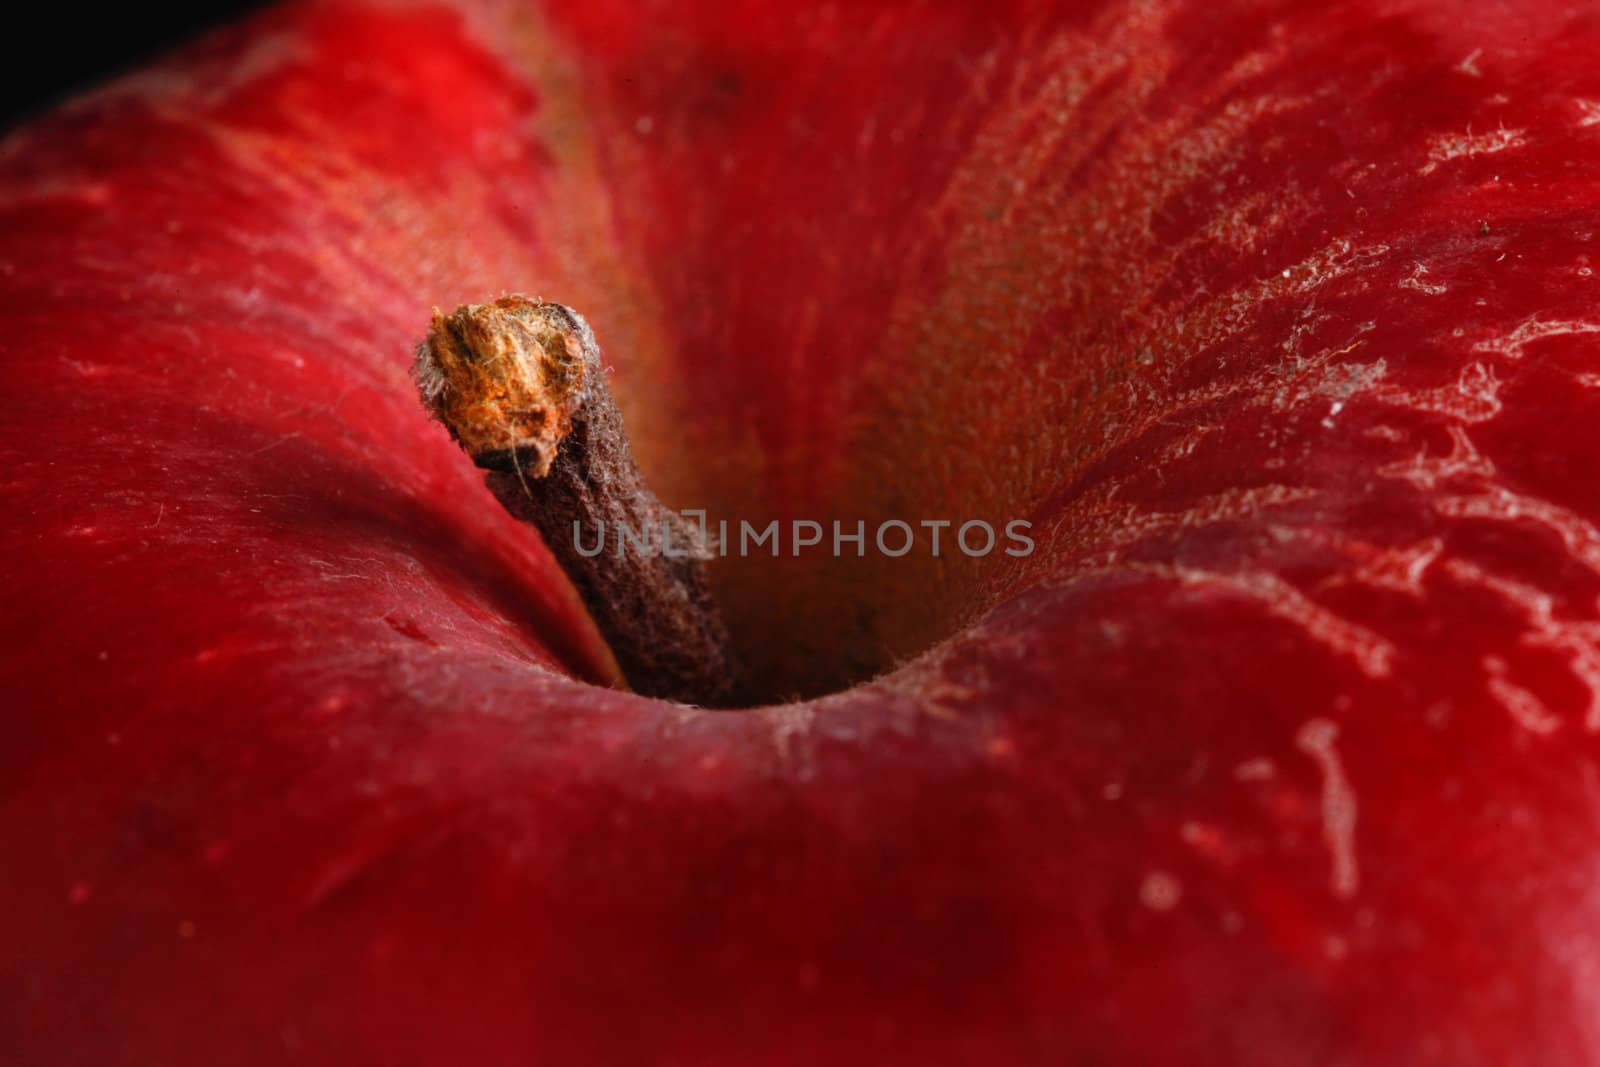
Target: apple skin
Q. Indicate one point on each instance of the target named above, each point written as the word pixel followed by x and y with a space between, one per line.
pixel 1277 320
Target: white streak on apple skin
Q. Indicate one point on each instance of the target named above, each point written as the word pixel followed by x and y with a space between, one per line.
pixel 1475 397
pixel 791 723
pixel 1513 344
pixel 1430 472
pixel 1260 769
pixel 1183 447
pixel 1371 652
pixel 1579 535
pixel 1579 640
pixel 1526 709
pixel 1417 280
pixel 1339 811
pixel 1489 501
pixel 1280 385
pixel 1400 569
pixel 1464 145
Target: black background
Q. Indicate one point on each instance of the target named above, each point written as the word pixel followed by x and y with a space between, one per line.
pixel 56 47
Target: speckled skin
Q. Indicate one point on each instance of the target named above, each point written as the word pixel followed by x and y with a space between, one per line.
pixel 1278 321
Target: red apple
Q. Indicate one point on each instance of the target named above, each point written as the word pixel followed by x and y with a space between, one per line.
pixel 1277 320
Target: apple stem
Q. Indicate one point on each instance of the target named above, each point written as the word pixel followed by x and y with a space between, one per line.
pixel 520 386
